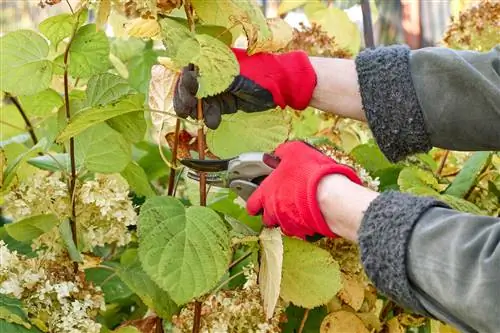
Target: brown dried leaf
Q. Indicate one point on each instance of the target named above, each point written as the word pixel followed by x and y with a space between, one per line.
pixel 144 325
pixel 184 144
pixel 166 6
pixel 370 319
pixel 161 97
pixel 103 13
pixel 342 322
pixel 281 36
pixel 353 291
pixel 271 263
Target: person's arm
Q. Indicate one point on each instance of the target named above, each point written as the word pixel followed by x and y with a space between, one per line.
pixel 429 258
pixel 414 100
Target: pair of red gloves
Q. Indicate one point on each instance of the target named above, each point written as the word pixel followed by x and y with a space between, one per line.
pixel 286 198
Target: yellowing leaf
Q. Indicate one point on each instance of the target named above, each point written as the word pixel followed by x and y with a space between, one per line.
pixel 310 275
pixel 289 5
pixel 271 262
pixel 266 129
pixel 143 28
pixel 337 24
pixel 342 322
pixel 353 291
pixel 281 35
pixel 393 326
pixel 103 13
pixel 160 97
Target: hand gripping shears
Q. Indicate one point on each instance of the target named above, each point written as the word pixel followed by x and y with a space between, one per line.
pixel 243 173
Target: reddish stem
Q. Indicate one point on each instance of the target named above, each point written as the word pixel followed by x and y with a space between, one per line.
pixel 171 178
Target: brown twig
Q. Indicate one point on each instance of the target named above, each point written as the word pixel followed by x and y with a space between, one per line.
pixel 304 320
pixel 27 121
pixel 171 178
pixel 442 163
pixel 201 156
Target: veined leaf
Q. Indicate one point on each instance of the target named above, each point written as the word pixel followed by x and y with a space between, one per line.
pixel 58 27
pixel 139 69
pixel 133 275
pixel 411 177
pixel 92 116
pixel 281 35
pixel 89 52
pixel 31 227
pixel 265 130
pixel 178 245
pixel 105 88
pixel 467 177
pixel 143 28
pixel 310 275
pixel 41 104
pixel 24 55
pixel 137 179
pixel 336 23
pixel 370 157
pixel 102 149
pixel 108 280
pixel 132 126
pixel 271 263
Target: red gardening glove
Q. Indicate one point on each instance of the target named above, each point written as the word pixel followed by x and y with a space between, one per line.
pixel 287 197
pixel 265 81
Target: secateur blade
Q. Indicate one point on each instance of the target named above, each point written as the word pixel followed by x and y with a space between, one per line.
pixel 206 165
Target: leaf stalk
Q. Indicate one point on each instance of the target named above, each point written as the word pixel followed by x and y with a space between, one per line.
pixel 27 121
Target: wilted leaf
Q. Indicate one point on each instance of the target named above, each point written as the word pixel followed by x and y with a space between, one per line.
pixel 336 23
pixel 31 227
pixel 89 52
pixel 102 149
pixel 266 129
pixel 24 55
pixel 103 12
pixel 271 261
pixel 177 245
pixel 468 176
pixel 96 115
pixel 143 28
pixel 161 94
pixel 281 35
pixel 342 322
pixel 352 292
pixel 310 275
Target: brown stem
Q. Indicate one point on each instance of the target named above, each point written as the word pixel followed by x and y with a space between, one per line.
pixel 303 322
pixel 159 325
pixel 27 121
pixel 188 7
pixel 72 179
pixel 442 163
pixel 201 156
pixel 197 317
pixel 171 178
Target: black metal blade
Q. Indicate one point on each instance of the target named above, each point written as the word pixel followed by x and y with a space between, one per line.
pixel 206 165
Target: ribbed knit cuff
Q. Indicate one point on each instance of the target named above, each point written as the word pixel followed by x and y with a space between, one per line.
pixel 384 238
pixel 390 101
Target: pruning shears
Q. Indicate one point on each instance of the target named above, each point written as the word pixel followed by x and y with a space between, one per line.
pixel 243 173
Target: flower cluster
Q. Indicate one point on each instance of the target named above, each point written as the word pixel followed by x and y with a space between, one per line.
pixel 229 311
pixel 103 209
pixel 55 299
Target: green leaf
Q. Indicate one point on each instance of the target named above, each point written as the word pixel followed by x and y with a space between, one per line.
pixel 289 5
pixel 132 274
pixel 467 177
pixel 41 104
pixel 411 177
pixel 24 69
pixel 32 227
pixel 107 278
pixel 388 178
pixel 150 160
pixel 54 162
pixel 58 27
pixel 10 171
pixel 67 237
pixel 370 157
pixel 185 251
pixel 126 49
pixel 23 248
pixel 13 317
pixel 89 52
pixel 310 275
pixel 336 23
pixel 264 130
pixel 226 205
pixel 131 125
pixel 137 179
pixel 102 149
pixel 168 23
pixel 105 88
pixel 461 204
pixel 295 314
pixel 139 69
pixel 91 116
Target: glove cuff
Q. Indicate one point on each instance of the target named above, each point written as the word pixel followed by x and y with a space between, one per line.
pixel 318 219
pixel 298 81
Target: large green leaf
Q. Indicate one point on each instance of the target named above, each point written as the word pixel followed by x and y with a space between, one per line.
pixel 336 23
pixel 263 131
pixel 150 160
pixel 370 157
pixel 23 248
pixel 102 149
pixel 32 227
pixel 105 88
pixel 310 275
pixel 411 177
pixel 58 27
pixel 107 278
pixel 125 49
pixel 13 317
pixel 131 125
pixel 132 274
pixel 468 176
pixel 139 69
pixel 41 104
pixel 24 69
pixel 89 52
pixel 226 205
pixel 138 180
pixel 185 251
pixel 95 115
